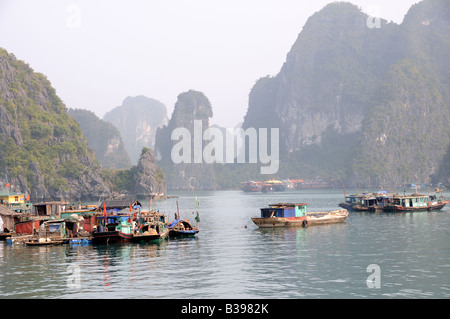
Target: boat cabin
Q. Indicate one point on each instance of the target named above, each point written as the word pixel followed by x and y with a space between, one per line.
pixel 284 210
pixel 415 200
pixel 113 222
pixel 354 199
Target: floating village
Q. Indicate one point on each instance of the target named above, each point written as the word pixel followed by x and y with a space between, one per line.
pixel 59 222
pixel 124 220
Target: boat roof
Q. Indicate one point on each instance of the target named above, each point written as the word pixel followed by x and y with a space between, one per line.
pixel 410 195
pixel 5 211
pixel 119 203
pixel 51 203
pixel 273 181
pixel 287 204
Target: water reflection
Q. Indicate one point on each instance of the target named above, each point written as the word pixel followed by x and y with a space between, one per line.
pixel 232 258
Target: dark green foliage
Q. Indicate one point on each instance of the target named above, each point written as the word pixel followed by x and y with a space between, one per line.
pixel 103 138
pixel 38 140
pixel 122 179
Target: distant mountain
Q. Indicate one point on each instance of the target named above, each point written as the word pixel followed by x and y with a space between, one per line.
pixel 190 107
pixel 42 150
pixel 104 138
pixel 363 104
pixel 137 119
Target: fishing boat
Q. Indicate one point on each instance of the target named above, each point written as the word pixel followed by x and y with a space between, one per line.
pixel 415 203
pixel 118 229
pixel 351 201
pixel 282 215
pixel 367 202
pixel 182 228
pixel 295 215
pixel 273 186
pixel 251 186
pixel 150 227
pixel 117 226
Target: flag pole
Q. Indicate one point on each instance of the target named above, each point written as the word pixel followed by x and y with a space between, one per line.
pixel 104 211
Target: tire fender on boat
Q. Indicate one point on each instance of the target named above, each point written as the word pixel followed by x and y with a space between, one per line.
pixel 305 224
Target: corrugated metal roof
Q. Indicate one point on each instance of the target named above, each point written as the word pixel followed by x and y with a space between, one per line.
pixel 5 211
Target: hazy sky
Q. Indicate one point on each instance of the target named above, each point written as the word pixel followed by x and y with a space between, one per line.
pixel 96 53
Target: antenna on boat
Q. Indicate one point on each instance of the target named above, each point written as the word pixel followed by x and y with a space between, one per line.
pixel 197 217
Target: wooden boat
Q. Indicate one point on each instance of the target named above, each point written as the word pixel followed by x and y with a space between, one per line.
pixel 415 203
pixel 351 201
pixel 366 202
pixel 273 186
pixel 150 227
pixel 45 242
pixel 118 229
pixel 251 186
pixel 282 215
pixel 295 215
pixel 182 228
pixel 321 218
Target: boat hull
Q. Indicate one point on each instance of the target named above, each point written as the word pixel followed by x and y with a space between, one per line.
pixel 311 219
pixel 323 218
pixel 109 237
pixel 183 233
pixel 150 238
pixel 399 208
pixel 275 222
pixel 46 242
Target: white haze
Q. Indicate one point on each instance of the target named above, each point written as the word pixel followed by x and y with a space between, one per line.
pixel 96 53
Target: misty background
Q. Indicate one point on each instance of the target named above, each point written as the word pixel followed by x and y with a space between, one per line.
pixel 96 53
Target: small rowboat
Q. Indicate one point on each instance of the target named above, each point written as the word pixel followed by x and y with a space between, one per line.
pixel 45 242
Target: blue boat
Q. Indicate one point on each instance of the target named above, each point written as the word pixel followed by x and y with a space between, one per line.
pixel 182 228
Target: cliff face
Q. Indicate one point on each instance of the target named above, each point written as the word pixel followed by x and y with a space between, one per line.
pixel 406 132
pixel 43 152
pixel 327 80
pixel 363 94
pixel 149 178
pixel 137 119
pixel 191 106
pixel 103 138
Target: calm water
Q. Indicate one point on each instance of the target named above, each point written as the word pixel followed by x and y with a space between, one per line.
pixel 231 258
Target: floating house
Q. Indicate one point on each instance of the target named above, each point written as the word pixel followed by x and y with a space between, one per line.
pixel 50 208
pixel 8 197
pixel 17 202
pixel 8 220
